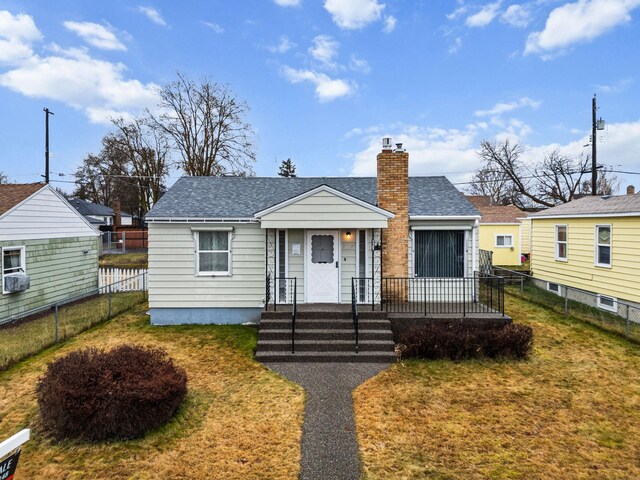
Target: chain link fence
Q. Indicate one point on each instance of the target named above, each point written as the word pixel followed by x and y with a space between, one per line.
pixel 606 312
pixel 31 332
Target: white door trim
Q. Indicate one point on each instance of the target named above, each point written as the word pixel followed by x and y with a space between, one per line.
pixel 307 254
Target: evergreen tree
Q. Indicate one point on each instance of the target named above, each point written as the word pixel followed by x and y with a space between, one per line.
pixel 287 168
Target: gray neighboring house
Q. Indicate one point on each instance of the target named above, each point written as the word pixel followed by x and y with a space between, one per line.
pixel 49 251
pixel 98 214
pixel 219 247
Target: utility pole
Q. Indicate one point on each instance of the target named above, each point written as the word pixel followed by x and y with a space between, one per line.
pixel 595 126
pixel 47 112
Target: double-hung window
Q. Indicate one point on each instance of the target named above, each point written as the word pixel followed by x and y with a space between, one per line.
pixel 504 240
pixel 562 242
pixel 213 252
pixel 603 245
pixel 13 262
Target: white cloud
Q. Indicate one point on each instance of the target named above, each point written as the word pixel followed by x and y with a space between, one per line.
pixel 95 34
pixel 215 27
pixel 389 24
pixel 504 107
pixel 458 12
pixel 72 76
pixel 578 22
pixel 354 14
pixel 153 15
pixel 283 46
pixel 327 88
pixel 325 49
pixel 455 45
pixel 617 87
pixel 485 16
pixel 287 3
pixel 17 34
pixel 517 15
pixel 359 64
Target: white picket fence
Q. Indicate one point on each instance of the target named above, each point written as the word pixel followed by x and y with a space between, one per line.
pixel 122 279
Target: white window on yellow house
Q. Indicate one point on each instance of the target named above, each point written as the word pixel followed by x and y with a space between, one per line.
pixel 608 303
pixel 504 241
pixel 561 242
pixel 603 245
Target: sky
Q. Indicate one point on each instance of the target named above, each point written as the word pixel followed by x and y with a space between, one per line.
pixel 325 80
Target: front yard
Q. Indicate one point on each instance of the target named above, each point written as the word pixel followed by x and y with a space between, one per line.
pixel 239 421
pixel 571 411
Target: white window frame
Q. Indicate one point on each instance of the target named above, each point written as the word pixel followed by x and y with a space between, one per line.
pixel 556 243
pixel 228 272
pixel 559 292
pixel 23 263
pixel 596 245
pixel 505 235
pixel 612 308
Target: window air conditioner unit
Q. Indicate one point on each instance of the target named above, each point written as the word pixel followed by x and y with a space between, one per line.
pixel 16 283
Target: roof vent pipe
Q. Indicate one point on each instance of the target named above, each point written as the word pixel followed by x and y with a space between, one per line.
pixel 386 143
pixel 399 148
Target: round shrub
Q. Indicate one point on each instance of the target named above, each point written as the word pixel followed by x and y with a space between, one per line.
pixel 98 395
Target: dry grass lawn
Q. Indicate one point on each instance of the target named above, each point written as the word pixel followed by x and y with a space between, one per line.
pixel 570 412
pixel 123 260
pixel 239 421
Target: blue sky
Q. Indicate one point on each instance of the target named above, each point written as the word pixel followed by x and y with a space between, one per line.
pixel 326 79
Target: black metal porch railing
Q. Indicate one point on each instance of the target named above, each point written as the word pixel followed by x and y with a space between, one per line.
pixel 354 309
pixel 363 291
pixel 294 308
pixel 421 295
pixel 279 290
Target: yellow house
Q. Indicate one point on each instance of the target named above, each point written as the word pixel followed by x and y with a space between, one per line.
pixel 592 244
pixel 499 230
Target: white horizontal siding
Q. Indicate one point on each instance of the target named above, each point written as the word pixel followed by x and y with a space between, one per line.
pixel 44 216
pixel 324 210
pixel 173 282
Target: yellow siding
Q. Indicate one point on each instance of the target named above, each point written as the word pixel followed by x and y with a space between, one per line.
pixel 501 255
pixel 579 271
pixel 525 235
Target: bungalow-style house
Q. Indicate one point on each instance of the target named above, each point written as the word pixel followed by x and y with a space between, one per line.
pixel 49 250
pixel 500 230
pixel 220 248
pixel 98 214
pixel 591 244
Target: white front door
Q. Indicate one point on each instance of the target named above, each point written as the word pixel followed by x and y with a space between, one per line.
pixel 323 266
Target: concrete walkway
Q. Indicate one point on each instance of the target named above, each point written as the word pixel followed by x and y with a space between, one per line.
pixel 329 445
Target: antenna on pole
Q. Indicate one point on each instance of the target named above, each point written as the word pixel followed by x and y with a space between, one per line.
pixel 47 112
pixel 595 126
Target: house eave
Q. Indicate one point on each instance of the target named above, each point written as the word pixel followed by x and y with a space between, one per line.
pixel 200 220
pixel 587 215
pixel 444 217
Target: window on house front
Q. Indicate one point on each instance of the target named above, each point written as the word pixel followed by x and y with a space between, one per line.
pixel 214 253
pixel 439 253
pixel 13 262
pixel 607 303
pixel 282 264
pixel 561 242
pixel 504 240
pixel 362 263
pixel 603 245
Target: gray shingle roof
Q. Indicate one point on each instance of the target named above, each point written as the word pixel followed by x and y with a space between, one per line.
pixel 242 197
pixel 88 208
pixel 595 205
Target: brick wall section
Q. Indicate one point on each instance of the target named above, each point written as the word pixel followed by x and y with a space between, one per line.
pixel 393 195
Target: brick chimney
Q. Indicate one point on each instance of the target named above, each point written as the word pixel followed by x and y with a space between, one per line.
pixel 393 195
pixel 631 190
pixel 117 213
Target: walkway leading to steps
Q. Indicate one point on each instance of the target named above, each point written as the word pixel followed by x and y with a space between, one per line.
pixel 329 444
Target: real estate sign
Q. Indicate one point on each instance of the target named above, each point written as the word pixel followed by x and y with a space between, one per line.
pixel 8 466
pixel 10 454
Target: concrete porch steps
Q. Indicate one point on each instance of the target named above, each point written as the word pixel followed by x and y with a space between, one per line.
pixel 325 335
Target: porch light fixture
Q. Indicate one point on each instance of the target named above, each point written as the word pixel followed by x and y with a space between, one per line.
pixel 348 235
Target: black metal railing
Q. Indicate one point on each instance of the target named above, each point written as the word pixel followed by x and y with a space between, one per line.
pixel 422 295
pixel 363 289
pixel 294 309
pixel 354 308
pixel 279 290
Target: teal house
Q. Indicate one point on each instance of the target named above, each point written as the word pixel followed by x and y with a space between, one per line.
pixel 49 251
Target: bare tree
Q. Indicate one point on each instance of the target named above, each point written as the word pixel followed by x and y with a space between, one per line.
pixel 487 181
pixel 606 184
pixel 207 126
pixel 555 179
pixel 147 154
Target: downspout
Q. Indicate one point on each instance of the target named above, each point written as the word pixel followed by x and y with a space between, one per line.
pixel 474 251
